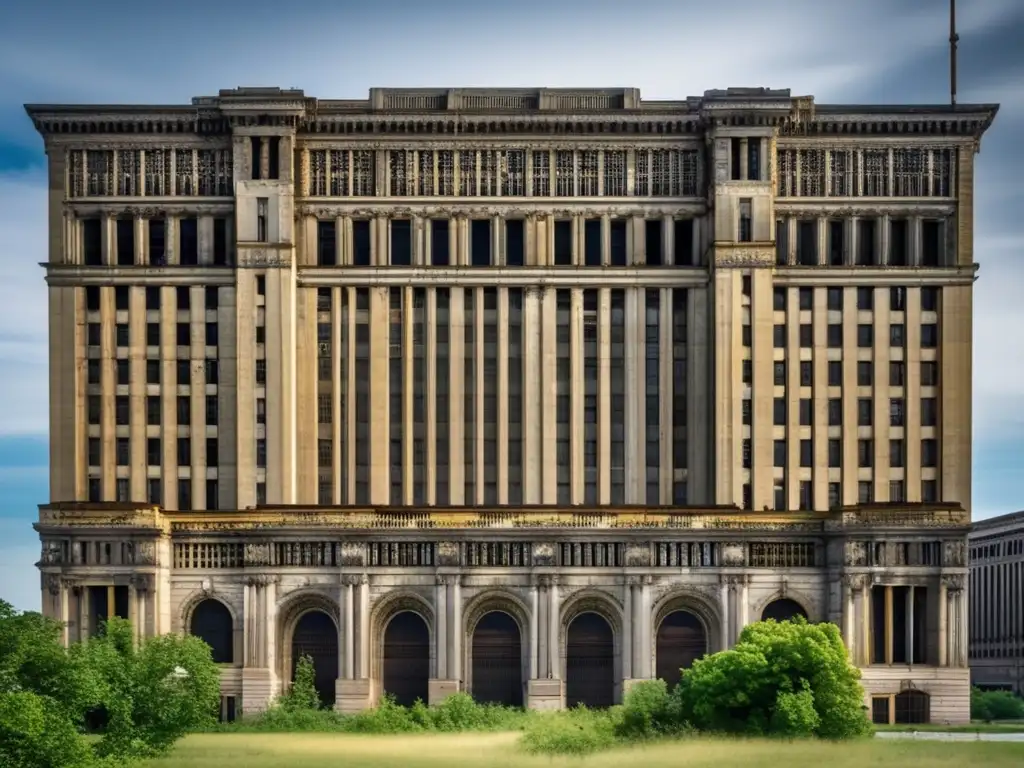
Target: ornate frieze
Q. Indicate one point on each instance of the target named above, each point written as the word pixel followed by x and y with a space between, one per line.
pixel 446 553
pixel 855 553
pixel 258 554
pixel 453 209
pixel 78 209
pixel 637 555
pixel 955 553
pixel 263 258
pixel 743 257
pixel 543 554
pixel 352 554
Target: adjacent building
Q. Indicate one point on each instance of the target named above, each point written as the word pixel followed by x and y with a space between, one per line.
pixel 996 649
pixel 531 393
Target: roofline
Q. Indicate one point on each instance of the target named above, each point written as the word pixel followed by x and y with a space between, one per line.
pixel 995 522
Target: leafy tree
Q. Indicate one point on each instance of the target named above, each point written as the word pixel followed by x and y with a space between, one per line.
pixel 302 696
pixel 153 692
pixel 791 678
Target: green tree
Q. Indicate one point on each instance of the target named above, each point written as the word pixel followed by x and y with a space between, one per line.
pixel 996 705
pixel 302 696
pixel 154 691
pixel 791 678
pixel 43 694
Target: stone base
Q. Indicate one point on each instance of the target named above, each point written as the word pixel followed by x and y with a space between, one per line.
pixel 544 695
pixel 259 687
pixel 352 695
pixel 949 688
pixel 439 690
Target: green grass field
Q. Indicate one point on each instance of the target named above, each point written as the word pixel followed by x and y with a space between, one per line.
pixel 436 750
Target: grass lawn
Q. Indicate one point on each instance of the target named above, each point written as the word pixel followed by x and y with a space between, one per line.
pixel 1010 726
pixel 247 750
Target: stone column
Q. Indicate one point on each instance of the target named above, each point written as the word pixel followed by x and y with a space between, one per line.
pixel 943 610
pixel 909 628
pixel 865 623
pixel 364 627
pixel 645 627
pixel 849 584
pixel 534 630
pixel 554 651
pixel 348 628
pixel 627 631
pixel 723 599
pixel 441 626
pixel 742 610
pixel 888 624
pixel 636 642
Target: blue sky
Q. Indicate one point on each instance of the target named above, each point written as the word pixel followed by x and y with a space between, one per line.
pixel 110 51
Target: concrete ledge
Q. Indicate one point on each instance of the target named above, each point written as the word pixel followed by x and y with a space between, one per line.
pixel 351 695
pixel 439 690
pixel 544 695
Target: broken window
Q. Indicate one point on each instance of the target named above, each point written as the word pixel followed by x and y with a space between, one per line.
pixel 564 173
pixel 842 177
pixel 592 242
pixel 188 241
pixel 513 173
pixel 317 172
pixel 781 241
pixel 467 173
pixel 542 173
pixel 339 163
pixel 910 172
pixel 515 242
pixel 682 243
pixel 899 245
pixel 400 176
pixel 653 245
pixel 99 168
pixel 256 157
pixel 642 176
pixel 688 162
pixel 220 241
pixel 746 227
pixel 812 173
pixel 273 157
pixel 931 243
pixel 92 242
pixel 563 243
pixel 183 169
pixel 876 173
pixel 361 250
pixel 445 173
pixel 401 242
pixel 588 173
pixel 489 173
pixel 364 173
pixel 76 173
pixel 128 172
pixel 807 243
pixel 157 242
pixel 125 241
pixel 662 176
pixel 942 172
pixel 326 243
pixel 439 242
pixel 866 247
pixel 480 242
pixel 786 159
pixel 215 175
pixel 836 242
pixel 614 173
pixel 158 172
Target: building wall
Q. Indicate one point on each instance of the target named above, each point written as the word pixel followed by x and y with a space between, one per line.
pixel 997 602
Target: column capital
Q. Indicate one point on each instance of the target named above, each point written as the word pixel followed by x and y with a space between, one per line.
pixel 547 580
pixel 261 580
pixel 352 579
pixel 953 582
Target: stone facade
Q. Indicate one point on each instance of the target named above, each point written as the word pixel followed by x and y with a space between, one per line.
pixel 997 602
pixel 340 375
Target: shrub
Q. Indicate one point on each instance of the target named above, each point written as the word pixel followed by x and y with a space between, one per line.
pixel 302 696
pixel 649 712
pixel 741 690
pixel 996 705
pixel 577 731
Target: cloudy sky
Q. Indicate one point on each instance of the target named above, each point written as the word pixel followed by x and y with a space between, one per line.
pixel 114 51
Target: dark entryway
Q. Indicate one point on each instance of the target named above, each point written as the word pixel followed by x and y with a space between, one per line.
pixel 783 609
pixel 316 636
pixel 211 623
pixel 681 641
pixel 590 662
pixel 406 658
pixel 912 708
pixel 498 661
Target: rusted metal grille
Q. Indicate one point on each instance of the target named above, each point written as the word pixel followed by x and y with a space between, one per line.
pixel 406 659
pixel 589 663
pixel 498 661
pixel 681 641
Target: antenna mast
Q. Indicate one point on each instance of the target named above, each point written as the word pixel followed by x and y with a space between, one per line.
pixel 954 38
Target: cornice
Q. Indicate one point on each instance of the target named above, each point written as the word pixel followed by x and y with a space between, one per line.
pixel 476 207
pixel 813 207
pixel 527 277
pixel 74 275
pixel 879 276
pixel 153 207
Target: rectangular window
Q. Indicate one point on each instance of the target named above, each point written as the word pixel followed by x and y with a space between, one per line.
pixel 866 247
pixel 746 225
pixel 682 243
pixel 220 241
pixel 592 242
pixel 563 243
pixel 401 242
pixel 361 249
pixel 653 245
pixel 618 256
pixel 931 243
pixel 188 241
pixel 326 242
pixel 157 242
pixel 262 219
pixel 125 232
pixel 836 243
pixel 899 243
pixel 439 245
pixel 807 243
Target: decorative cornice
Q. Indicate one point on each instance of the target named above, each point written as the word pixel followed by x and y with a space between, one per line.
pixel 153 208
pixel 73 275
pixel 813 208
pixel 483 208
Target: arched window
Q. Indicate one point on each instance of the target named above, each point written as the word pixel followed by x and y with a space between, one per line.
pixel 211 623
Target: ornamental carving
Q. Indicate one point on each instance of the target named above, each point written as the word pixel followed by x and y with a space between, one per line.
pixel 261 580
pixel 637 555
pixel 353 579
pixel 141 582
pixel 257 555
pixel 261 258
pixel 52 554
pixel 855 553
pixel 52 583
pixel 955 554
pixel 145 553
pixel 448 579
pixel 446 553
pixel 455 208
pixel 352 554
pixel 954 582
pixel 853 581
pixel 732 555
pixel 543 554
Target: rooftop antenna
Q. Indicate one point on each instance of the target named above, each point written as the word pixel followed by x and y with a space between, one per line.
pixel 954 38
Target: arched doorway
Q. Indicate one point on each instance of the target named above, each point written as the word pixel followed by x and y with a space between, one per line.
pixel 497 660
pixel 589 662
pixel 406 658
pixel 912 708
pixel 316 636
pixel 212 623
pixel 783 609
pixel 681 641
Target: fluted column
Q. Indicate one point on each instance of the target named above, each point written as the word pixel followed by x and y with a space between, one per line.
pixel 348 627
pixel 723 599
pixel 554 655
pixel 849 583
pixel 627 630
pixel 943 608
pixel 364 627
pixel 441 626
pixel 534 630
pixel 645 628
pixel 455 601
